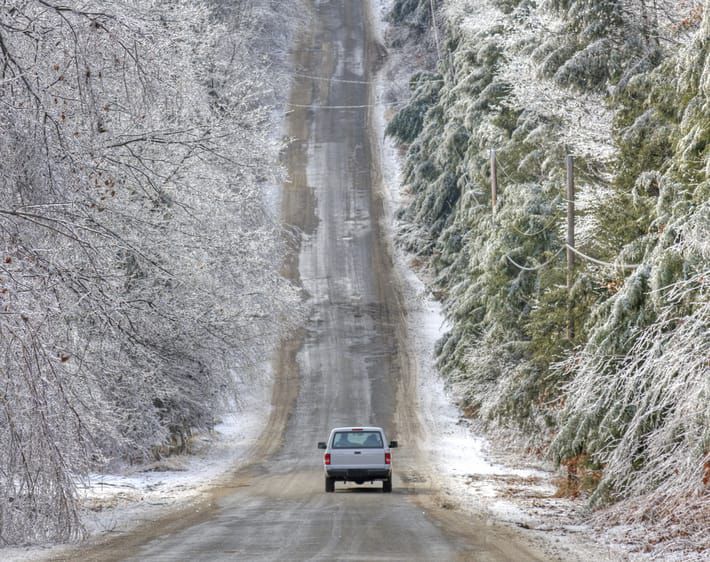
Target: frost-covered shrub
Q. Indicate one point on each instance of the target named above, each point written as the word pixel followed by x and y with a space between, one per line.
pixel 416 13
pixel 407 123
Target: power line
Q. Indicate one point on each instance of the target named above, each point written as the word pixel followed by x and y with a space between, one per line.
pixel 603 263
pixel 580 254
pixel 365 106
pixel 344 80
pixel 537 267
pixel 331 79
pixel 507 175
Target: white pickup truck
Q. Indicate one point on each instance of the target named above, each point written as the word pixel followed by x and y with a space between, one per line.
pixel 357 454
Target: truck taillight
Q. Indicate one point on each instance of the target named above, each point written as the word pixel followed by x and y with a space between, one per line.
pixel 388 458
pixel 326 458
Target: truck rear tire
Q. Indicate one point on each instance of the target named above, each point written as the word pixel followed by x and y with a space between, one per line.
pixel 387 485
pixel 329 484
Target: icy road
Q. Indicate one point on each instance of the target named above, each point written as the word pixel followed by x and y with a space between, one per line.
pixel 350 365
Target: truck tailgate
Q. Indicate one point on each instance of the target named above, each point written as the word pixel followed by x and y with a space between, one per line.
pixel 358 457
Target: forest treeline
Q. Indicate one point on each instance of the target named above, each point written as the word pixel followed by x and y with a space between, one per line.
pixel 623 400
pixel 139 266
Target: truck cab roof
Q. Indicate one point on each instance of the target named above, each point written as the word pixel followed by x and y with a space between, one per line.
pixel 357 428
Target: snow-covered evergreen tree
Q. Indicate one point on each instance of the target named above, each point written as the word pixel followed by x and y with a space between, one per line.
pixel 623 86
pixel 638 398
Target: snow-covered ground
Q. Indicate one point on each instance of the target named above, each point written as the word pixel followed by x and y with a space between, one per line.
pixel 117 500
pixel 124 497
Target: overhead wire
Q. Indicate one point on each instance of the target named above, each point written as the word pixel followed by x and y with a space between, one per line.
pixel 578 253
pixel 330 79
pixel 346 80
pixel 505 172
pixel 364 106
pixel 602 263
pixel 537 267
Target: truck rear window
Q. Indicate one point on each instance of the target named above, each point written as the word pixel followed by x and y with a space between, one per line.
pixel 357 440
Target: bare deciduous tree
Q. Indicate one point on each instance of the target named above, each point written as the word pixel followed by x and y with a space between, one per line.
pixel 138 264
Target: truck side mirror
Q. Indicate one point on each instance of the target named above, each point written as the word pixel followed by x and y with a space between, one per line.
pixel 393 444
pixel 321 445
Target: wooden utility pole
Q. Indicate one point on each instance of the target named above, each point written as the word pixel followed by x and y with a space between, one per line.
pixel 494 180
pixel 436 31
pixel 570 243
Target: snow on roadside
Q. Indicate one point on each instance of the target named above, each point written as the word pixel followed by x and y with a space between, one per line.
pixel 114 500
pixel 124 497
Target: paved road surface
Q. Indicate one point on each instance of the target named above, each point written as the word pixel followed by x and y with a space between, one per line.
pixel 348 366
